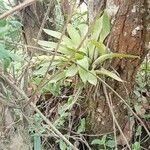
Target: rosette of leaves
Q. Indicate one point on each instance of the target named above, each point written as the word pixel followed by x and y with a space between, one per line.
pixel 82 60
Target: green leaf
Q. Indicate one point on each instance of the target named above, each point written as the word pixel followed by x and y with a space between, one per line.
pixel 16 57
pixel 42 70
pixel 136 146
pixel 105 26
pixel 5 57
pixel 108 73
pixel 101 48
pixel 110 56
pixel 92 77
pixel 58 77
pixel 37 142
pixel 45 58
pixel 66 50
pixel 110 143
pixel 3 22
pixel 47 44
pixel 3 27
pixel 74 35
pixel 97 142
pixel 83 63
pixel 72 52
pixel 79 55
pixel 83 28
pixel 15 24
pixel 52 33
pixel 83 66
pixel 81 128
pixel 83 74
pixel 104 139
pixel 3 30
pixel 146 116
pixel 3 52
pixel 138 131
pixel 96 29
pixel 62 145
pixel 7 62
pixel 53 88
pixel 72 71
pixel 8 56
pixel 67 42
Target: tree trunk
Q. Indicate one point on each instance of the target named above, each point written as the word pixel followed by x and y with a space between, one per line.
pixel 32 19
pixel 129 35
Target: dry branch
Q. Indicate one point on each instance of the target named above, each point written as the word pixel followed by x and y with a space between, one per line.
pixel 21 92
pixel 17 8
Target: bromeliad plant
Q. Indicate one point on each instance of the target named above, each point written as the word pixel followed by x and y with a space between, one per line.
pixel 85 59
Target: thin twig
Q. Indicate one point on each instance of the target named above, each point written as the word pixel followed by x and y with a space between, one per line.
pixel 113 115
pixel 125 104
pixel 17 8
pixel 118 95
pixel 44 80
pixel 30 46
pixel 53 127
pixel 43 22
pixel 21 92
pixel 114 125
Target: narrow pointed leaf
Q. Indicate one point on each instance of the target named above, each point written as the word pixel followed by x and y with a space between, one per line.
pixel 83 63
pixel 74 35
pixel 83 66
pixel 104 57
pixel 101 48
pixel 92 77
pixel 83 74
pixel 47 44
pixel 97 142
pixel 96 29
pixel 67 42
pixel 81 128
pixel 83 29
pixel 52 33
pixel 3 52
pixel 108 73
pixel 105 27
pixel 37 142
pixel 72 71
pixel 58 77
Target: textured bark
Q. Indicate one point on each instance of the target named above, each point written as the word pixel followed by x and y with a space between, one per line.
pixel 66 8
pixel 32 17
pixel 94 7
pixel 18 138
pixel 129 35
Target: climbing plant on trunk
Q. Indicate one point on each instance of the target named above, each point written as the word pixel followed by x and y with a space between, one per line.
pixel 130 35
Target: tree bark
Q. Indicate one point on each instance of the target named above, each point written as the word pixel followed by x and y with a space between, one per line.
pixel 130 34
pixel 32 18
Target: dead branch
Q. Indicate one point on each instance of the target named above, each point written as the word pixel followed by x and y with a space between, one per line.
pixel 17 8
pixel 21 92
